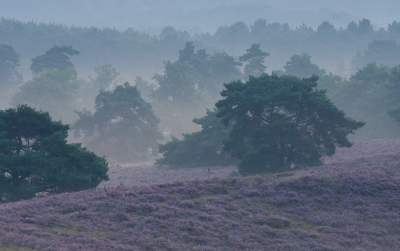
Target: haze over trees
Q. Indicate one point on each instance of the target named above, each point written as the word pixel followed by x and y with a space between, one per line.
pixel 10 77
pixel 134 53
pixel 55 87
pixel 279 102
pixel 123 127
pixel 202 148
pixel 274 122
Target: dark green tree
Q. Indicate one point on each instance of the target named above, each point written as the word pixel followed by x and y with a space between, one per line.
pixel 301 66
pixel 281 122
pixel 254 58
pixel 123 127
pixel 35 157
pixel 55 58
pixel 202 148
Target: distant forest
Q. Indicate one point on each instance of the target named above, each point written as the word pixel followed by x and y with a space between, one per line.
pixel 341 51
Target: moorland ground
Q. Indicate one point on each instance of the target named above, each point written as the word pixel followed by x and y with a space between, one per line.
pixel 349 203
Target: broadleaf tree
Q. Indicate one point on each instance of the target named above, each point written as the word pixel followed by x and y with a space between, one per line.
pixel 123 126
pixel 35 157
pixel 281 123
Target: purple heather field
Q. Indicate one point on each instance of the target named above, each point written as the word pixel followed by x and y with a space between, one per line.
pixel 352 202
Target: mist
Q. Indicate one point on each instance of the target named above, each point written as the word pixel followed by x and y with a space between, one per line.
pixel 195 16
pixel 145 43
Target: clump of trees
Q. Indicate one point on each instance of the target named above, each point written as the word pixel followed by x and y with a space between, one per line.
pixel 275 123
pixel 123 127
pixel 55 87
pixel 368 96
pixel 202 148
pixel 189 85
pixel 281 122
pixel 35 157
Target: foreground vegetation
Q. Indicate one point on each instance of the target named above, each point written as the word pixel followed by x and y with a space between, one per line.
pixel 349 204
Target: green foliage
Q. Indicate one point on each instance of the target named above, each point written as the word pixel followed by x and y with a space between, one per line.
pixel 301 66
pixel 203 148
pixel 368 96
pixel 35 157
pixel 123 127
pixel 57 58
pixel 54 91
pixel 281 122
pixel 255 58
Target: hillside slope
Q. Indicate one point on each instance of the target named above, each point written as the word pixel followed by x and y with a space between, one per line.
pixel 350 203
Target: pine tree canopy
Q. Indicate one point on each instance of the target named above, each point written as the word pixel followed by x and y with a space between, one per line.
pixel 281 123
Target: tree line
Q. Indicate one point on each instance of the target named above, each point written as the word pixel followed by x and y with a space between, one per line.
pixel 135 52
pixel 261 122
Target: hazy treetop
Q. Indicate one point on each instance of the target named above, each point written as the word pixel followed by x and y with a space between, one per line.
pixel 198 16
